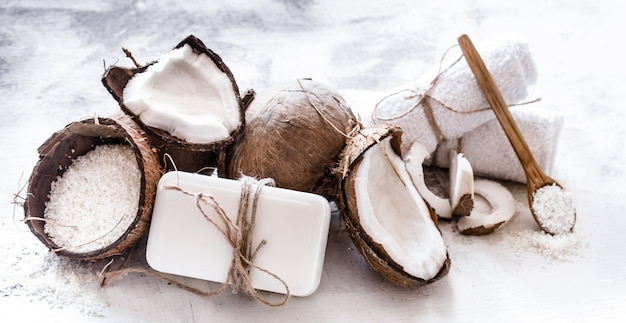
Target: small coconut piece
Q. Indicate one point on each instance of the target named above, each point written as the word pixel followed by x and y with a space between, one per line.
pixel 461 185
pixel 187 102
pixel 58 154
pixel 414 161
pixel 293 134
pixel 501 204
pixel 388 220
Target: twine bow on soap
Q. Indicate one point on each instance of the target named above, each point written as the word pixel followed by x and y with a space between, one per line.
pixel 238 233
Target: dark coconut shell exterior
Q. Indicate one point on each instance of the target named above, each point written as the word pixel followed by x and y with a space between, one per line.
pixel 373 252
pixel 482 230
pixel 294 135
pixel 465 206
pixel 187 156
pixel 78 138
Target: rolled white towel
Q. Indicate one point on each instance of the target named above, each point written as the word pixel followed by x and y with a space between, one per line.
pixel 490 153
pixel 451 103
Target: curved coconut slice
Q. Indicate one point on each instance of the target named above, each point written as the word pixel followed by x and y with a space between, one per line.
pixel 461 185
pixel 389 222
pixel 414 161
pixel 295 135
pixel 187 101
pixel 502 209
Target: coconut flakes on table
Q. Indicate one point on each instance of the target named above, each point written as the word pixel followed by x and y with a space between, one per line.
pixel 95 201
pixel 560 247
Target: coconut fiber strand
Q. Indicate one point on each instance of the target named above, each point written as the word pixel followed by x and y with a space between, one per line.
pixel 448 103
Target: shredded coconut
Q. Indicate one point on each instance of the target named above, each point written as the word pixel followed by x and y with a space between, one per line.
pixel 554 208
pixel 561 247
pixel 95 201
pixel 33 276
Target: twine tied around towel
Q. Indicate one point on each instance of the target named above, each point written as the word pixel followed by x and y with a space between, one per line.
pixel 424 99
pixel 238 233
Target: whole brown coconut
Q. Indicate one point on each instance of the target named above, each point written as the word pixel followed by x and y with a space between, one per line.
pixel 293 135
pixel 77 139
pixel 189 76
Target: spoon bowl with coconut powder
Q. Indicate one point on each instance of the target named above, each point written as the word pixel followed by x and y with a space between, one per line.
pixel 550 204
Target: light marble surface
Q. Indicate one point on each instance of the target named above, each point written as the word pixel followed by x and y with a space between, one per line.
pixel 52 55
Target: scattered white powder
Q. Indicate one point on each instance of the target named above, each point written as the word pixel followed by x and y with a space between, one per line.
pixel 95 201
pixel 34 276
pixel 560 247
pixel 554 208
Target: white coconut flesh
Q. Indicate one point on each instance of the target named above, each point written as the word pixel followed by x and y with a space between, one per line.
pixel 461 181
pixel 187 95
pixel 394 215
pixel 414 161
pixel 495 206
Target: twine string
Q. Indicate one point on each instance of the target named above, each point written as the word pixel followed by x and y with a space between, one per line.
pixel 424 95
pixel 238 233
pixel 347 135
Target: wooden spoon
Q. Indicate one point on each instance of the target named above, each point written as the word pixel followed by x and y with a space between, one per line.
pixel 559 219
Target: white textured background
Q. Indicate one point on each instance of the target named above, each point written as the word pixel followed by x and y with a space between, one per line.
pixel 52 55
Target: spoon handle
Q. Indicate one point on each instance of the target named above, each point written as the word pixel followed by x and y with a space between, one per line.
pixel 534 175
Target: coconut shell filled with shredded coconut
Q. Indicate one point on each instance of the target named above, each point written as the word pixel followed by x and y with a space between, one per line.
pixel 90 195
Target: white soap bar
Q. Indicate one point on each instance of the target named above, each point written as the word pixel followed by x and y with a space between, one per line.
pixel 182 242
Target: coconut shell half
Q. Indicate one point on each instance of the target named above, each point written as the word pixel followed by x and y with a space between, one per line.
pixel 76 139
pixel 187 154
pixel 388 221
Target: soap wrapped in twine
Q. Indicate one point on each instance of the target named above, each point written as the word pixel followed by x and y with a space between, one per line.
pixel 239 235
pixel 452 103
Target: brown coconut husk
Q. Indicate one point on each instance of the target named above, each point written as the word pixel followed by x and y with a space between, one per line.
pixel 295 135
pixel 374 253
pixel 187 156
pixel 465 206
pixel 78 138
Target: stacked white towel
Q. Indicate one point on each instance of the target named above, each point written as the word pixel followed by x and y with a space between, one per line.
pixel 452 113
pixel 490 153
pixel 454 97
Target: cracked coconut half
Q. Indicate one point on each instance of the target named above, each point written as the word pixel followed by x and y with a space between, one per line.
pixel 388 220
pixel 187 102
